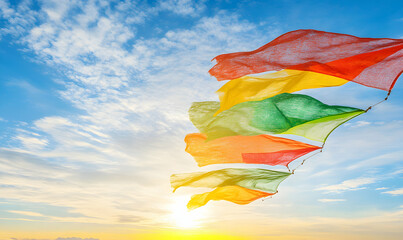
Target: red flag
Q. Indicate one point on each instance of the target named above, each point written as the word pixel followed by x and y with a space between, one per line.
pixel 373 62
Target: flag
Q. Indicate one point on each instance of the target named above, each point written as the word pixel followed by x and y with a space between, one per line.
pixel 236 129
pixel 251 178
pixel 256 88
pixel 373 62
pixel 275 115
pixel 259 149
pixel 235 194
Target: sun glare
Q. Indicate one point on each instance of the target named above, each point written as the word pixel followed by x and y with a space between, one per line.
pixel 184 218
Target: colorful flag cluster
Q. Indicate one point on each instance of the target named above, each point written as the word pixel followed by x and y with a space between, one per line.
pixel 237 129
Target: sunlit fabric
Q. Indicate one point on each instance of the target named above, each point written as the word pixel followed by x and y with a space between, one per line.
pixel 259 149
pixel 237 129
pixel 256 88
pixel 319 129
pixel 373 62
pixel 251 178
pixel 272 115
pixel 235 194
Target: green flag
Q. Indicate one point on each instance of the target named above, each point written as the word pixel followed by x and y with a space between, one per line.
pixel 273 115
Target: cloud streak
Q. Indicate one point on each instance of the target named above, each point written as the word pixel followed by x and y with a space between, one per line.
pixel 395 192
pixel 26 213
pixel 132 93
pixel 327 200
pixel 348 185
pixel 116 153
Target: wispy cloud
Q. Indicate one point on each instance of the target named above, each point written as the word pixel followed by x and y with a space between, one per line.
pixel 397 172
pixel 24 85
pixel 359 124
pixel 31 142
pixel 133 93
pixel 380 160
pixel 395 192
pixel 183 7
pixel 18 19
pixel 26 213
pixel 326 200
pixel 348 185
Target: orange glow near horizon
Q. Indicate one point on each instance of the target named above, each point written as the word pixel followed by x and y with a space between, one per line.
pixel 146 235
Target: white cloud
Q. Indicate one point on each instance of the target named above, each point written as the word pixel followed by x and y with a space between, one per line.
pixel 348 185
pixel 183 7
pixel 358 150
pixel 399 171
pixel 395 192
pixel 381 188
pixel 326 200
pixel 380 160
pixel 31 142
pixel 134 93
pixel 360 124
pixel 18 19
pixel 26 213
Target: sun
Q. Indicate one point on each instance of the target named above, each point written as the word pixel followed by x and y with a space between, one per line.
pixel 184 218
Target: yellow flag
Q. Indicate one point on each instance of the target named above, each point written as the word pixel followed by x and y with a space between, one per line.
pixel 235 194
pixel 256 88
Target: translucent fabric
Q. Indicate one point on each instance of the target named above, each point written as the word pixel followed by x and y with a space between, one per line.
pixel 251 178
pixel 235 130
pixel 373 62
pixel 256 88
pixel 272 115
pixel 319 129
pixel 260 149
pixel 235 194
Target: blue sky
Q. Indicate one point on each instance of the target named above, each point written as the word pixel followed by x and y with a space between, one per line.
pixel 93 112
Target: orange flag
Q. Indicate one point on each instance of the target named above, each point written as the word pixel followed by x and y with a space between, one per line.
pixel 258 149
